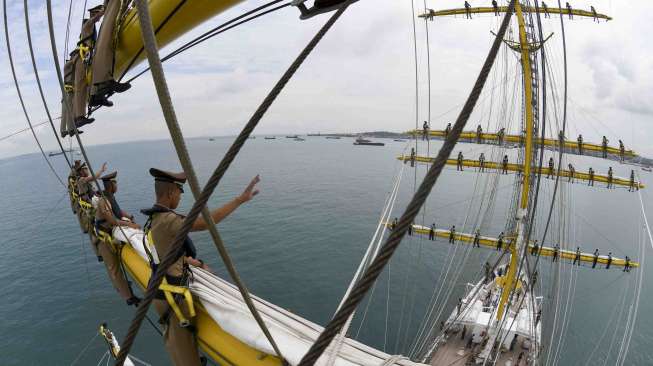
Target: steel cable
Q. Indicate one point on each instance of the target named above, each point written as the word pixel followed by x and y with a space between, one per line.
pixel 20 95
pixel 38 82
pixel 202 199
pixel 214 32
pixel 372 273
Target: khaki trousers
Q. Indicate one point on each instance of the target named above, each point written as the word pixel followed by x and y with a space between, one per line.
pixel 80 96
pixel 180 342
pixel 67 100
pixel 112 263
pixel 103 57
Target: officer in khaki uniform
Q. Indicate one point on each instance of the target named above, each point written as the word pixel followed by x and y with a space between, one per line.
pixel 109 215
pixel 67 119
pixel 85 47
pixel 86 192
pixel 104 83
pixel 164 224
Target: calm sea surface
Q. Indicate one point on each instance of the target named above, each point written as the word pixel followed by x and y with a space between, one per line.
pixel 298 243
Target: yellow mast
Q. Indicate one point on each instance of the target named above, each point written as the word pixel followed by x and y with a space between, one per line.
pixel 511 276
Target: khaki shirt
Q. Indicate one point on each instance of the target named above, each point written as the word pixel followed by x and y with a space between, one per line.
pixel 84 188
pixel 165 227
pixel 103 212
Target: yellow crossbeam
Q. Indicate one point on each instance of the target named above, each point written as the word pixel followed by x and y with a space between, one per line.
pixel 491 243
pixel 570 146
pixel 510 167
pixel 502 9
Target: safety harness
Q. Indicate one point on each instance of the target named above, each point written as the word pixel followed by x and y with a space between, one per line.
pixel 173 288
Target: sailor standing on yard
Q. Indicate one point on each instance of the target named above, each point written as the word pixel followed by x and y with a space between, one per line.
pixel 500 241
pixel 591 177
pixel 459 161
pixel 86 192
pixel 477 239
pixel 481 162
pixel 468 12
pixel 572 172
pixel 610 185
pixel 577 256
pixel 452 234
pixel 479 134
pixel 604 147
pixel 596 258
pixel 432 232
pixel 551 166
pixel 164 225
pixel 85 47
pixel 580 144
pixel 622 150
pixel 632 186
pixel 104 83
pixel 108 216
pixel 504 165
pixel 425 131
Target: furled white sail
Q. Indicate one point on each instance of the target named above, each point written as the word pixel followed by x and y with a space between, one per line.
pixel 293 334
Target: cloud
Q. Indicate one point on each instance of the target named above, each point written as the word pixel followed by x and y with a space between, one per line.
pixel 360 77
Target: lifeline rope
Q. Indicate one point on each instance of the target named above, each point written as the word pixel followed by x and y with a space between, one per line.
pixel 214 32
pixel 38 82
pixel 200 203
pixel 21 131
pixel 20 95
pixel 372 273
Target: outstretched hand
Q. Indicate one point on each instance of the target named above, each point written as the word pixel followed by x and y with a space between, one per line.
pixel 104 167
pixel 250 191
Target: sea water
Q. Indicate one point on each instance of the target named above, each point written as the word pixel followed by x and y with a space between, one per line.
pixel 298 243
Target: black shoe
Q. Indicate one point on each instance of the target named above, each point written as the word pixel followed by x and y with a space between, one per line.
pixel 71 133
pixel 99 100
pixel 100 259
pixel 117 87
pixel 134 300
pixel 82 121
pixel 203 360
pixel 64 134
pixel 112 86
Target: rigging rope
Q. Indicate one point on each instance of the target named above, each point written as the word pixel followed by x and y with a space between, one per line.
pixel 38 82
pixel 20 95
pixel 202 199
pixel 372 273
pixel 214 32
pixel 23 130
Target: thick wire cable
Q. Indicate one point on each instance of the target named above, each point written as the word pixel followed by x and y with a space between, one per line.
pixel 233 23
pixel 407 218
pixel 20 95
pixel 38 83
pixel 202 199
pixel 21 131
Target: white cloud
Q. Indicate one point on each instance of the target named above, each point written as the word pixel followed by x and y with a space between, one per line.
pixel 360 77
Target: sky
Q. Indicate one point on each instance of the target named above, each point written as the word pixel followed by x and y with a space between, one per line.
pixel 361 77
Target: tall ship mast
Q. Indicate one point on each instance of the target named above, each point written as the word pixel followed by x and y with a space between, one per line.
pixel 499 319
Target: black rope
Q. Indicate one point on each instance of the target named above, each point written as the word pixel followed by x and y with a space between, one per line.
pixel 38 82
pixel 214 32
pixel 20 95
pixel 393 241
pixel 217 175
